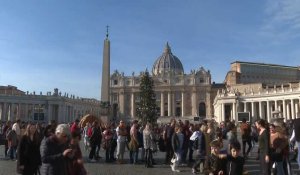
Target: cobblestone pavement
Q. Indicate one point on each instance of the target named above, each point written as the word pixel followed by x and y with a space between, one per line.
pixel 8 167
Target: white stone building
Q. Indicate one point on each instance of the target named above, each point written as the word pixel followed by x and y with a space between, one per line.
pixel 16 104
pixel 264 90
pixel 177 93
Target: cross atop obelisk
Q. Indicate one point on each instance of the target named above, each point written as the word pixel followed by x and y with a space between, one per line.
pixel 107 31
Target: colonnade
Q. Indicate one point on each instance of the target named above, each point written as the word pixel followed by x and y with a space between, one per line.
pixel 44 111
pixel 167 101
pixel 267 108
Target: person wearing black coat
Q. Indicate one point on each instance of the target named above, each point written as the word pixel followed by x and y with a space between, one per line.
pixel 264 147
pixel 54 154
pixel 235 163
pixel 213 163
pixel 95 140
pixel 29 158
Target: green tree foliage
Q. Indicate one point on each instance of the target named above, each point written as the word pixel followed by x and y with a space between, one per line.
pixel 146 108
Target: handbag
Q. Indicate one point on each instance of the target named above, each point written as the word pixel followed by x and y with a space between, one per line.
pixel 132 145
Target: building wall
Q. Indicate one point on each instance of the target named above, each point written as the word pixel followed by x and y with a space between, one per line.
pixel 266 102
pixel 195 87
pixel 264 90
pixel 10 90
pixel 247 72
pixel 44 108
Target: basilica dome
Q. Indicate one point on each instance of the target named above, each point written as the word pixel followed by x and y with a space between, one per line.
pixel 167 63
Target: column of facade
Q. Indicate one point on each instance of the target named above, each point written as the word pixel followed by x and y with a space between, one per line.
pixel 132 105
pixel 162 104
pixel 71 118
pixel 194 105
pixel 296 110
pixel 60 114
pixel 19 110
pixel 260 108
pixel 245 106
pixel 234 111
pixel 69 113
pixel 283 109
pixel 223 112
pixel 4 112
pixel 252 110
pixel 182 104
pixel 173 103
pixel 8 111
pixel 288 111
pixel 298 107
pixel 27 112
pixel 32 111
pixel 169 104
pixel 292 109
pixel 268 111
pixel 66 114
pixel 75 112
pixel 275 104
pixel 1 112
pixel 63 114
pixel 121 102
pixel 49 113
pixel 16 111
pixel 298 114
pixel 30 116
pixel 12 112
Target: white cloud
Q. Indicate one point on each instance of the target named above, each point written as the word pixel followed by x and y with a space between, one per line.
pixel 282 20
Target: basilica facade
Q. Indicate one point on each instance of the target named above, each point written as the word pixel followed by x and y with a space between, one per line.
pixel 178 94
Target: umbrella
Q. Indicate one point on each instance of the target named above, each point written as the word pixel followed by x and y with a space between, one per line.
pixel 88 119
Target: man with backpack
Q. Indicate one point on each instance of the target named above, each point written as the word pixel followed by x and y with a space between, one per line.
pixel 246 137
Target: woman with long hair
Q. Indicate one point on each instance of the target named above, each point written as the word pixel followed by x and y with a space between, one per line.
pixel 29 158
pixel 149 145
pixel 121 141
pixel 107 135
pixel 264 146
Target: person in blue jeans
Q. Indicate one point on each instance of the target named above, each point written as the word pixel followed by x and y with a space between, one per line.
pixel 134 150
pixel 12 140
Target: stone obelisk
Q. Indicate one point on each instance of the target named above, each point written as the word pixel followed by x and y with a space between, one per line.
pixel 105 88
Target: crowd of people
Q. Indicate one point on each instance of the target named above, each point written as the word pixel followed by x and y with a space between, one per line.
pixel 210 148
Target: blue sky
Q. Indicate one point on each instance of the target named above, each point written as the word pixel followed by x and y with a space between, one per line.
pixel 58 43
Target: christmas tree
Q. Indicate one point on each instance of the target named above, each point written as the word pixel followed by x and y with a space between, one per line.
pixel 146 108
